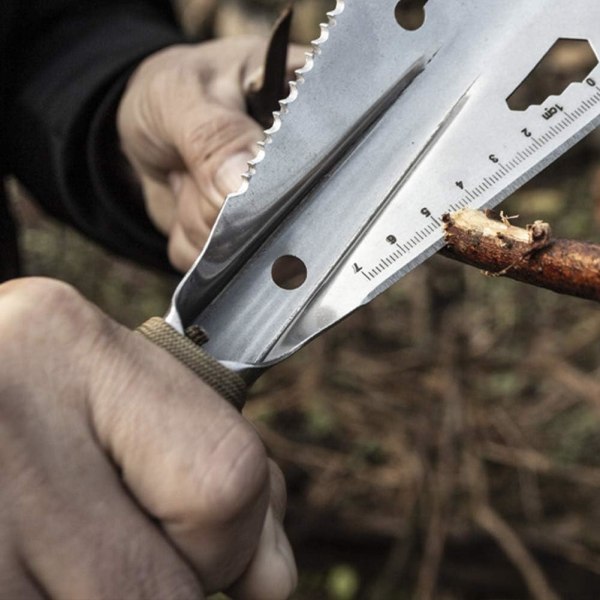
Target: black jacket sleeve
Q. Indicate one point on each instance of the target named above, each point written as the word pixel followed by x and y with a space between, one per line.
pixel 69 61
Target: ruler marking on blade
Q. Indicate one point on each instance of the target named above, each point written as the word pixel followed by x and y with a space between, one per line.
pixel 489 182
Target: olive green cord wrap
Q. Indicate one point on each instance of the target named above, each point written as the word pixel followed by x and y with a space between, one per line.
pixel 227 383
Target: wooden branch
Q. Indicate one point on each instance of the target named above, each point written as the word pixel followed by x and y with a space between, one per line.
pixel 530 255
pixel 514 548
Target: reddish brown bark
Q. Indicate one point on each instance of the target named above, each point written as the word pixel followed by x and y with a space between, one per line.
pixel 530 255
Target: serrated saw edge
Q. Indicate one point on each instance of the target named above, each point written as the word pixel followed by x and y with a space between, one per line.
pixel 284 104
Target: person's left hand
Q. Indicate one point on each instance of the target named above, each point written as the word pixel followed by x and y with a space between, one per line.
pixel 184 128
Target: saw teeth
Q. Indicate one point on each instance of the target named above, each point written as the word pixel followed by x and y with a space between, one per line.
pixel 274 128
pixel 308 65
pixel 285 104
pixel 338 10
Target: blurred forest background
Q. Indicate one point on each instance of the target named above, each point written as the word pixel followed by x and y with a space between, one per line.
pixel 444 442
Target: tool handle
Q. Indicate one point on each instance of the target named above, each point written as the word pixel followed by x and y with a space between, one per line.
pixel 227 383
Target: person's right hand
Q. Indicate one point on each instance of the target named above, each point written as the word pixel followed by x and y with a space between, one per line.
pixel 121 474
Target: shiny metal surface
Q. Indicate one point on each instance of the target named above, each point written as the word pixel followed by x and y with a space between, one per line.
pixel 386 130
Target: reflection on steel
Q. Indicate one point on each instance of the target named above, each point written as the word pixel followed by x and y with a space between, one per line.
pixel 385 130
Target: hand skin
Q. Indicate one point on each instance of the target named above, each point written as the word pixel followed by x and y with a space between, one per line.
pixel 183 127
pixel 122 474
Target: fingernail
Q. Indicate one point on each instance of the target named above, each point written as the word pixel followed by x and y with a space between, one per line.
pixel 229 176
pixel 176 182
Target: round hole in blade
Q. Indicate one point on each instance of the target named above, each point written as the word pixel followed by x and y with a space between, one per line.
pixel 410 14
pixel 289 272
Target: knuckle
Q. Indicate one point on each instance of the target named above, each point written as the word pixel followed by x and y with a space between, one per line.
pixel 26 302
pixel 218 487
pixel 215 136
pixel 43 318
pixel 238 478
pixel 195 235
pixel 178 258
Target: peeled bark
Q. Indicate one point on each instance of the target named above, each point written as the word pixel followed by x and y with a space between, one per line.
pixel 531 255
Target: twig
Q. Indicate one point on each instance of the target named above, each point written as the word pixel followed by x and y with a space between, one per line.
pixel 507 539
pixel 443 481
pixel 535 462
pixel 570 377
pixel 544 538
pixel 491 522
pixel 530 255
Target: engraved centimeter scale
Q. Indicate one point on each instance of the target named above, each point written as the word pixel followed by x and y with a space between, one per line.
pixel 403 248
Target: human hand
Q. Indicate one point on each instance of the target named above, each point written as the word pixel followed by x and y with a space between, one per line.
pixel 123 475
pixel 184 129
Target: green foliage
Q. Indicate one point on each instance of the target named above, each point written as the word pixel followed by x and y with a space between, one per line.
pixel 343 583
